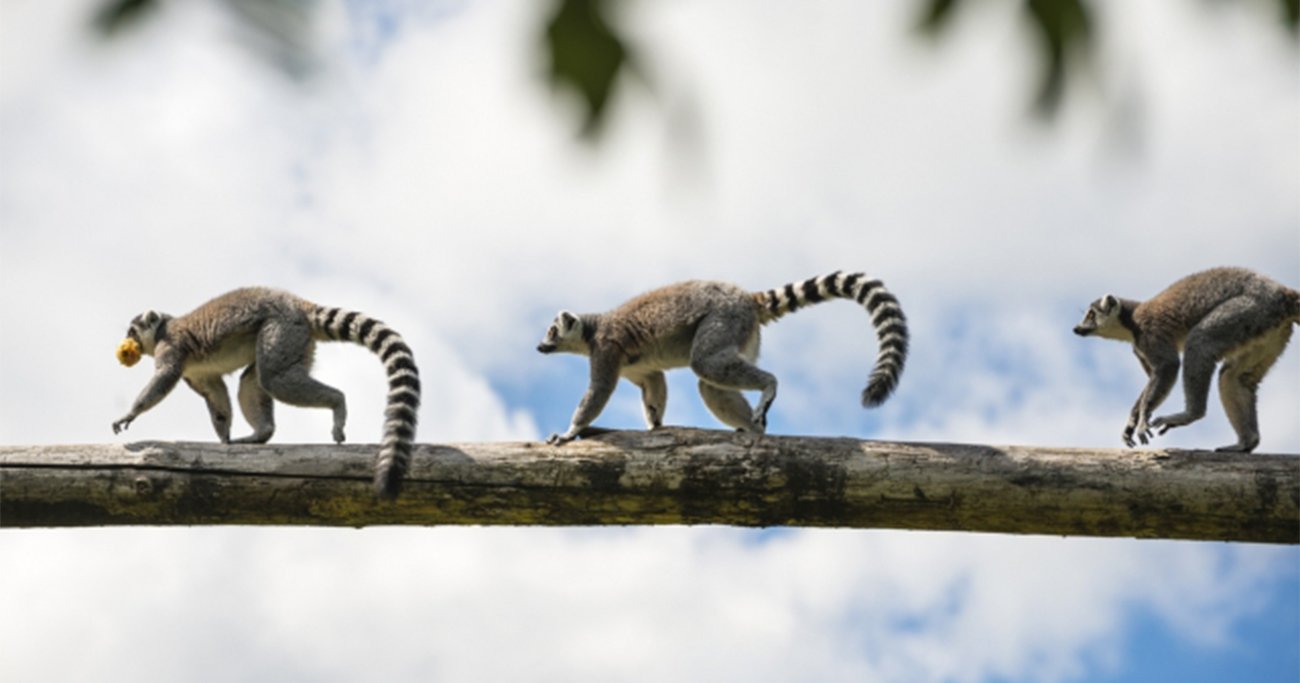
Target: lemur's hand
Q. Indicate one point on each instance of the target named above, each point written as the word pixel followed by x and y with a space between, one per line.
pixel 121 425
pixel 1143 432
pixel 559 439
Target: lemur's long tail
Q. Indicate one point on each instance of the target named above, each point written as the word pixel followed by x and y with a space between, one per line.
pixel 886 316
pixel 403 388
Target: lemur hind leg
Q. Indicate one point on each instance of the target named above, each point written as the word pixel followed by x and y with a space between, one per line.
pixel 257 406
pixel 716 357
pixel 729 406
pixel 284 350
pixel 1239 384
pixel 1218 333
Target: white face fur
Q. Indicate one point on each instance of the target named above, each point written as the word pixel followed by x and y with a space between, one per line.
pixel 1102 320
pixel 144 329
pixel 564 335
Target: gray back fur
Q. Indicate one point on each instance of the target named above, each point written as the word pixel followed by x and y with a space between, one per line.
pixel 1195 298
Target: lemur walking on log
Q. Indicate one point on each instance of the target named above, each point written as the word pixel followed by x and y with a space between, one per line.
pixel 1228 314
pixel 272 334
pixel 713 327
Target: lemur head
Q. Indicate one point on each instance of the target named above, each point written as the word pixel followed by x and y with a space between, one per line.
pixel 1104 319
pixel 144 329
pixel 565 335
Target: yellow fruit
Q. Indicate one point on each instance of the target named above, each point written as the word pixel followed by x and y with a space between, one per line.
pixel 128 352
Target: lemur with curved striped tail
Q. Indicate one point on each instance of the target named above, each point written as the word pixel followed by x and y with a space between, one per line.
pixel 272 334
pixel 712 327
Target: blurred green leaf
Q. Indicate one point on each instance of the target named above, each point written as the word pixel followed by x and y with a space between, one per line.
pixel 1291 16
pixel 936 15
pixel 115 15
pixel 279 29
pixel 1064 33
pixel 587 55
pixel 1064 29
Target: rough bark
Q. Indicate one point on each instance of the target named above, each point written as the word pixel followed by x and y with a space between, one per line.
pixel 669 476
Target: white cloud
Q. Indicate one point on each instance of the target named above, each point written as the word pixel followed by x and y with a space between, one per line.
pixel 622 605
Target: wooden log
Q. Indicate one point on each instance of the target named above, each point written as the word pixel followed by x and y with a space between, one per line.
pixel 669 476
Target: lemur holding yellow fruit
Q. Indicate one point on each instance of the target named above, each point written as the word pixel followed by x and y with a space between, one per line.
pixel 128 352
pixel 272 334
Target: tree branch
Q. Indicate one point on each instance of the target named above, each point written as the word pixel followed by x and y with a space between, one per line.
pixel 670 476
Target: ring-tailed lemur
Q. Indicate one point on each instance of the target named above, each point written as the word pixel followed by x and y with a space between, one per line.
pixel 273 334
pixel 714 328
pixel 1228 314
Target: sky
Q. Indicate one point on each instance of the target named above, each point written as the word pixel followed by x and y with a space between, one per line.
pixel 420 170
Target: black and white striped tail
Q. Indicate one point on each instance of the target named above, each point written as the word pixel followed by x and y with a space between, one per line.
pixel 403 388
pixel 886 316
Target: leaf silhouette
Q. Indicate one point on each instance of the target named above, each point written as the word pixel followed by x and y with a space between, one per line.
pixel 587 56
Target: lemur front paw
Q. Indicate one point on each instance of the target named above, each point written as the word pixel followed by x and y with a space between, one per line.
pixel 122 424
pixel 1142 431
pixel 559 439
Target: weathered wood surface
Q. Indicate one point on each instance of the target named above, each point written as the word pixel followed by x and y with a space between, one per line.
pixel 670 476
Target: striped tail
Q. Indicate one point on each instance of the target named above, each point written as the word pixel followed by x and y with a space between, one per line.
pixel 403 388
pixel 886 316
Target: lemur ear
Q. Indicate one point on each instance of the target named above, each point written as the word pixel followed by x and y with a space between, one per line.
pixel 1108 303
pixel 566 320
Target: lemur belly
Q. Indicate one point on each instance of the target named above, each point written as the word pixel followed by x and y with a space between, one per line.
pixel 675 352
pixel 655 360
pixel 229 356
pixel 1266 345
pixel 670 352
